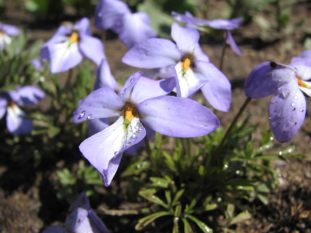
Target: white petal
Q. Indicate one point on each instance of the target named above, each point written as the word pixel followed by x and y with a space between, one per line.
pixel 188 82
pixel 104 149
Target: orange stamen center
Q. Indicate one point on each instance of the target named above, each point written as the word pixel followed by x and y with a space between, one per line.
pixel 186 63
pixel 301 83
pixel 129 112
pixel 73 38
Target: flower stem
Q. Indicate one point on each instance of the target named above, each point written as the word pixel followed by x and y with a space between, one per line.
pixel 147 145
pixel 217 159
pixel 233 123
pixel 222 58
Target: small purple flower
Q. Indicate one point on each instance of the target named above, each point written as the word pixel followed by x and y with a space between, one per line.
pixel 193 70
pixel 131 27
pixel 70 44
pixel 6 32
pixel 81 219
pixel 220 24
pixel 286 84
pixel 16 120
pixel 141 103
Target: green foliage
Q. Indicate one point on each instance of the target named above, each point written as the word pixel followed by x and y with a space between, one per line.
pixel 196 185
pixel 81 179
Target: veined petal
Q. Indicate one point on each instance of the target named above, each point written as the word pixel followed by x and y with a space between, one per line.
pixel 92 48
pixel 126 91
pixel 109 14
pixel 83 26
pixel 217 89
pixel 287 112
pixel 136 28
pixel 27 95
pixel 63 56
pixel 152 53
pixel 177 117
pixel 104 77
pixel 233 45
pixel 3 106
pixel 265 79
pixel 185 38
pixel 302 67
pixel 104 149
pixel 187 81
pixel 16 121
pixel 101 103
pixel 147 88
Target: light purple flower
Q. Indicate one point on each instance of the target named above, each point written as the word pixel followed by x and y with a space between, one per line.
pixel 193 70
pixel 70 44
pixel 141 103
pixel 286 84
pixel 10 102
pixel 6 33
pixel 220 24
pixel 131 27
pixel 81 219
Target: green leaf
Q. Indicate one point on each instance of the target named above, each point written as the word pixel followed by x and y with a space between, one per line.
pixel 148 194
pixel 145 221
pixel 200 224
pixel 160 182
pixel 245 215
pixel 178 196
pixel 187 226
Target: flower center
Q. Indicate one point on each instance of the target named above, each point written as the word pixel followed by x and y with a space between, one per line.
pixel 74 37
pixel 187 62
pixel 129 112
pixel 301 83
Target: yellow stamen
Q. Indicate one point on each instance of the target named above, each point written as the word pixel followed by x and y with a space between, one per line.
pixel 301 83
pixel 186 63
pixel 129 112
pixel 73 38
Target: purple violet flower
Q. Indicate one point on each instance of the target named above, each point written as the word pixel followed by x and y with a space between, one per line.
pixel 81 219
pixel 220 24
pixel 6 32
pixel 16 120
pixel 193 70
pixel 286 84
pixel 141 103
pixel 131 27
pixel 70 44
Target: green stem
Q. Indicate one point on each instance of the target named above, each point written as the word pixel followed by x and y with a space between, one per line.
pixel 222 58
pixel 233 123
pixel 216 159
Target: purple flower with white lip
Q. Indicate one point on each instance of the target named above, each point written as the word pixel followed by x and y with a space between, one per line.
pixel 70 44
pixel 286 84
pixel 141 103
pixel 81 219
pixel 6 33
pixel 16 120
pixel 220 24
pixel 131 27
pixel 193 70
